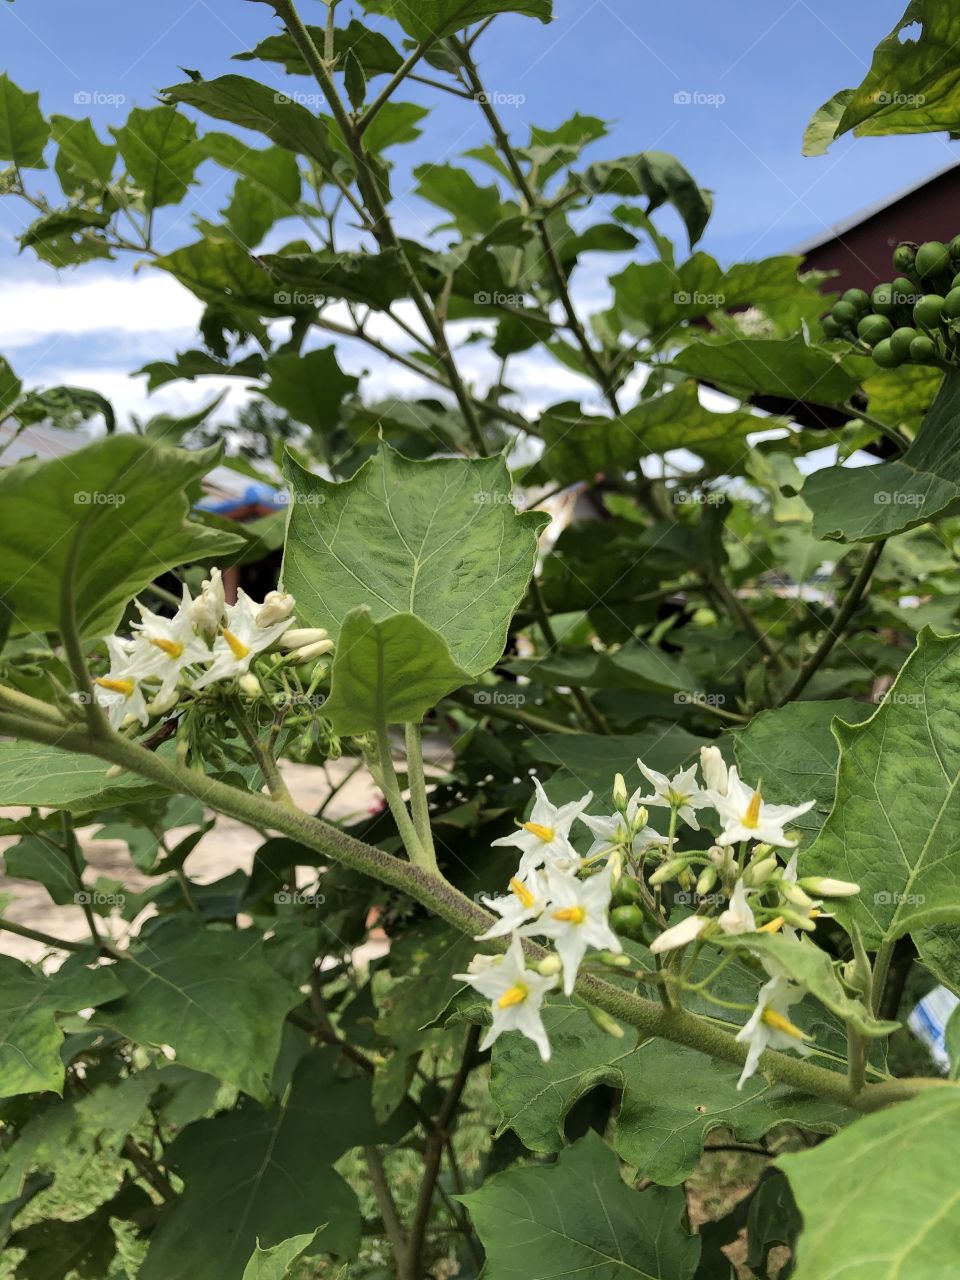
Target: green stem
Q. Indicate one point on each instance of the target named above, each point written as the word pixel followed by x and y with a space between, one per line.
pixel 447 902
pixel 391 790
pixel 881 967
pixel 70 635
pixel 268 766
pixel 580 696
pixel 529 719
pixel 416 779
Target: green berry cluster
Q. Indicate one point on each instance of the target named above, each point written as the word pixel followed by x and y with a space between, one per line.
pixel 915 317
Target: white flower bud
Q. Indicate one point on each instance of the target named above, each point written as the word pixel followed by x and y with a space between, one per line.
pixel 550 965
pixel 311 651
pixel 206 612
pixel 669 871
pixel 276 606
pixel 604 1021
pixel 714 770
pixel 297 637
pixel 793 893
pixel 250 685
pixel 620 795
pixel 825 887
pixel 160 706
pixel 679 935
pixel 759 872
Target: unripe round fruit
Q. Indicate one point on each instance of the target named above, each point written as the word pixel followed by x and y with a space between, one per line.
pixel 933 258
pixel 626 893
pixel 873 329
pixel 951 304
pixel 858 298
pixel 900 341
pixel 904 256
pixel 954 248
pixel 923 350
pixel 882 299
pixel 929 311
pixel 846 314
pixel 831 328
pixel 885 356
pixel 905 292
pixel 628 922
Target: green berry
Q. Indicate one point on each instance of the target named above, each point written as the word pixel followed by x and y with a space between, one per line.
pixel 873 329
pixel 954 247
pixel 951 304
pixel 905 292
pixel 831 327
pixel 900 341
pixel 882 299
pixel 904 256
pixel 933 258
pixel 858 298
pixel 846 314
pixel 929 311
pixel 923 350
pixel 884 355
pixel 628 921
pixel 626 893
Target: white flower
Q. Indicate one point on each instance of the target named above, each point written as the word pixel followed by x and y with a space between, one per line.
pixel 769 1027
pixel 163 647
pixel 681 792
pixel 738 916
pixel 679 935
pixel 714 770
pixel 546 837
pixel 524 902
pixel 745 815
pixel 207 610
pixel 615 829
pixel 576 918
pixel 119 692
pixel 241 638
pixel 516 994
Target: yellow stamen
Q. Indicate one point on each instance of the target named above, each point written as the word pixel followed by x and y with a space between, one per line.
pixel 126 687
pixel 751 818
pixel 522 892
pixel 772 926
pixel 237 647
pixel 780 1023
pixel 570 915
pixel 170 647
pixel 545 834
pixel 515 995
pixel 813 913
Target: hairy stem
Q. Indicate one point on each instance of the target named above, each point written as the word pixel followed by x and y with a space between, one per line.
pixel 417 782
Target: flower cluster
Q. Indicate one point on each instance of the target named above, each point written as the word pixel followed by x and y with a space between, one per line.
pixel 737 886
pixel 206 640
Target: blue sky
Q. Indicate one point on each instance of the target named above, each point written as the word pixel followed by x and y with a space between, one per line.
pixel 767 66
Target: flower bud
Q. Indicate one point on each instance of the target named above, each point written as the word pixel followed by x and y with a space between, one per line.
pixel 679 935
pixel 714 770
pixel 708 878
pixel 825 887
pixel 620 796
pixel 669 871
pixel 276 606
pixel 605 1022
pixel 310 651
pixel 297 637
pixel 115 771
pixel 797 920
pixel 759 872
pixel 206 611
pixel 793 893
pixel 615 866
pixel 613 959
pixel 250 685
pixel 549 966
pixel 640 818
pixel 160 706
pixel 686 878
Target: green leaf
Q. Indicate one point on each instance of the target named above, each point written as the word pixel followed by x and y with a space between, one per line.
pixel 10 388
pixel 257 106
pixel 211 995
pixel 894 828
pixel 474 210
pixel 434 19
pixel 576 445
pixel 794 752
pixel 671 1098
pixel 878 1200
pixel 261 1177
pixel 913 85
pixel 394 124
pixel 37 857
pixel 34 774
pixel 658 177
pixel 374 279
pixel 30 1038
pixel 161 151
pixel 785 367
pixel 372 49
pixel 862 504
pixel 429 538
pixel 84 164
pixel 822 129
pixel 276 1263
pixel 310 387
pixel 268 188
pixel 222 273
pixel 388 672
pixel 23 130
pixel 119 506
pixel 577 1217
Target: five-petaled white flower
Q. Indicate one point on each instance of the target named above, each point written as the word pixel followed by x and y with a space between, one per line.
pixel 745 815
pixel 576 918
pixel 240 639
pixel 615 829
pixel 163 647
pixel 525 901
pixel 516 994
pixel 681 792
pixel 545 838
pixel 119 692
pixel 769 1026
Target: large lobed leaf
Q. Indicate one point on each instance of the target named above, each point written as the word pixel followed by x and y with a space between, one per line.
pixel 578 1218
pixel 895 825
pixel 433 19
